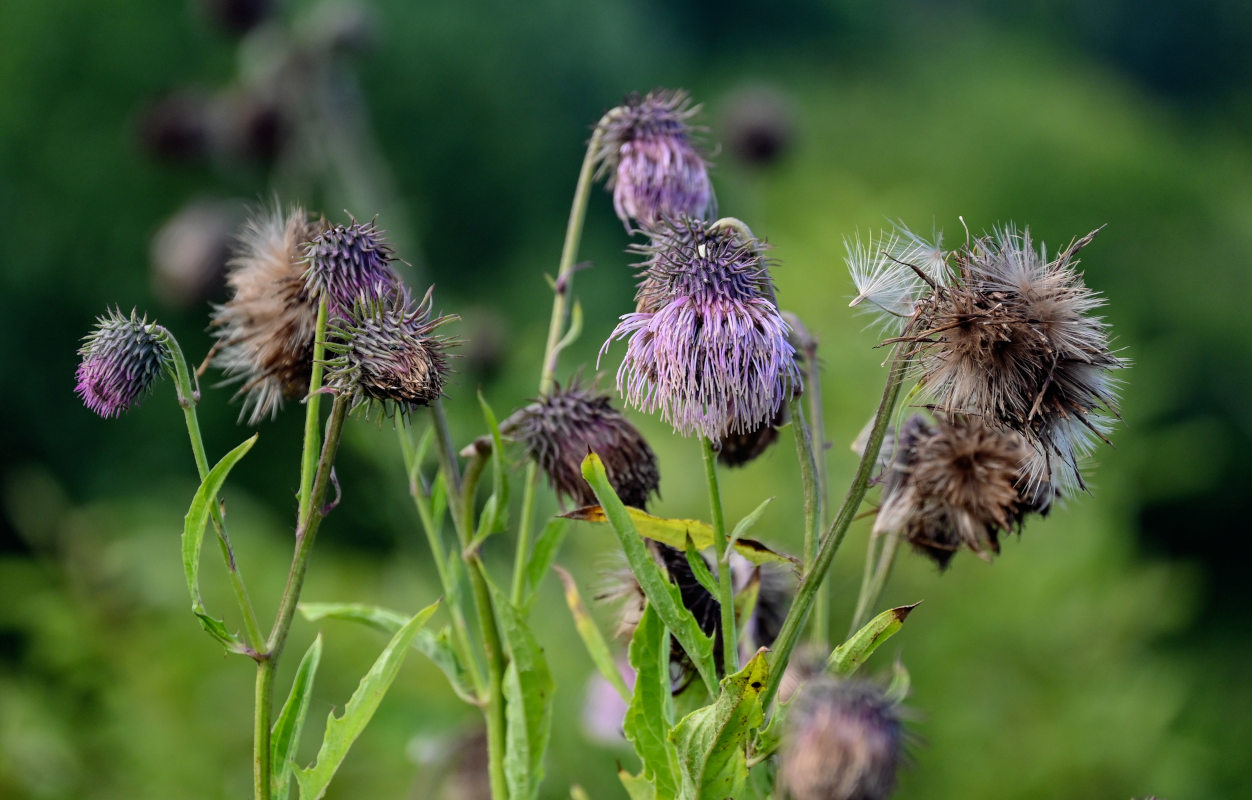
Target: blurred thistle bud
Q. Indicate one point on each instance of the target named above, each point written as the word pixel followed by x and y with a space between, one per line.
pixel 121 358
pixel 958 483
pixel 559 429
pixel 265 330
pixel 190 251
pixel 237 16
pixel 653 167
pixel 707 345
pixel 253 124
pixel 736 449
pixel 348 262
pixel 757 125
pixel 843 741
pixel 176 127
pixel 386 355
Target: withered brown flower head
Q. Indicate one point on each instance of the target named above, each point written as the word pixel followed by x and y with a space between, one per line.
pixel 265 330
pixel 560 428
pixel 844 741
pixel 958 483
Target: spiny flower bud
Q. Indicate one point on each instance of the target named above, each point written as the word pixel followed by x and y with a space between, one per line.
pixel 958 483
pixel 347 262
pixel 654 169
pixel 560 428
pixel 121 359
pixel 265 331
pixel 707 345
pixel 386 355
pixel 843 742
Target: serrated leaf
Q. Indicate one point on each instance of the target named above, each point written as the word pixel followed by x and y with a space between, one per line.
pixel 593 640
pixel 285 735
pixel 194 523
pixel 849 656
pixel 759 554
pixel 712 741
pixel 661 594
pixel 543 554
pixel 343 730
pixel 650 712
pixel 528 690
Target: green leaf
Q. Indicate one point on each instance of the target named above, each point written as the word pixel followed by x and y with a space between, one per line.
pixel 593 640
pixel 528 690
pixel 285 735
pixel 495 513
pixel 383 619
pixel 747 522
pixel 650 712
pixel 543 554
pixel 700 569
pixel 712 741
pixel 342 731
pixel 661 594
pixel 637 786
pixel 849 656
pixel 193 537
pixel 898 689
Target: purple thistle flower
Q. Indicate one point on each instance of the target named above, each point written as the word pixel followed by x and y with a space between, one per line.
pixel 653 168
pixel 122 357
pixel 347 262
pixel 707 345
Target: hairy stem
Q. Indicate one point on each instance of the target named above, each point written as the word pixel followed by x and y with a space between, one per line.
pixel 812 508
pixel 725 582
pixel 872 585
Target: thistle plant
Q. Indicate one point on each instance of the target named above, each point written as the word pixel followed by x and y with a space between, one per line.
pixel 1013 381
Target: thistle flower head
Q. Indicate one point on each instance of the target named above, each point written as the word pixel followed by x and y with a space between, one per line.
pixel 560 428
pixel 707 345
pixel 844 741
pixel 121 358
pixel 958 483
pixel 385 354
pixel 265 331
pixel 653 167
pixel 347 262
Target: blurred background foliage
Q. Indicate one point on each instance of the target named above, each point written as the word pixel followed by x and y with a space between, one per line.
pixel 1103 655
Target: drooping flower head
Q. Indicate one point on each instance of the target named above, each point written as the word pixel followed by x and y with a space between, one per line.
pixel 347 262
pixel 386 354
pixel 653 167
pixel 844 741
pixel 121 358
pixel 265 331
pixel 958 483
pixel 560 428
pixel 707 345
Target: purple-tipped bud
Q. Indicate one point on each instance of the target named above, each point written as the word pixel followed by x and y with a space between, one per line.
pixel 843 742
pixel 347 262
pixel 559 429
pixel 707 346
pixel 386 355
pixel 654 169
pixel 121 359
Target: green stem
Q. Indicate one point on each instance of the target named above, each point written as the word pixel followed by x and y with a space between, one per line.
pixel 813 576
pixel 312 417
pixel 872 586
pixel 812 508
pixel 264 704
pixel 562 291
pixel 817 440
pixel 725 582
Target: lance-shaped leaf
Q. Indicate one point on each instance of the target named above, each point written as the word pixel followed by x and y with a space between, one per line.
pixel 849 656
pixel 712 741
pixel 593 640
pixel 494 517
pixel 343 730
pixel 285 735
pixel 543 554
pixel 528 689
pixel 193 537
pixel 650 712
pixel 661 594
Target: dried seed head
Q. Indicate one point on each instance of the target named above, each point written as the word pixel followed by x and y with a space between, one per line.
pixel 385 354
pixel 844 742
pixel 738 449
pixel 348 262
pixel 560 428
pixel 265 331
pixel 653 167
pixel 707 345
pixel 121 358
pixel 958 483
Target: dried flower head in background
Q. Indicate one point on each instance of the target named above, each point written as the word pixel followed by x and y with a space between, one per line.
pixel 844 741
pixel 653 167
pixel 348 262
pixel 958 483
pixel 386 354
pixel 265 331
pixel 560 428
pixel 707 345
pixel 121 358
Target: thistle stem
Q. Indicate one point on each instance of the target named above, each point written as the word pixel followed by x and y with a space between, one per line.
pixel 833 537
pixel 872 583
pixel 725 582
pixel 812 508
pixel 312 416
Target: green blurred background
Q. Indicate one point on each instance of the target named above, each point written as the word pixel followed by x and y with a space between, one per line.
pixel 1103 655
